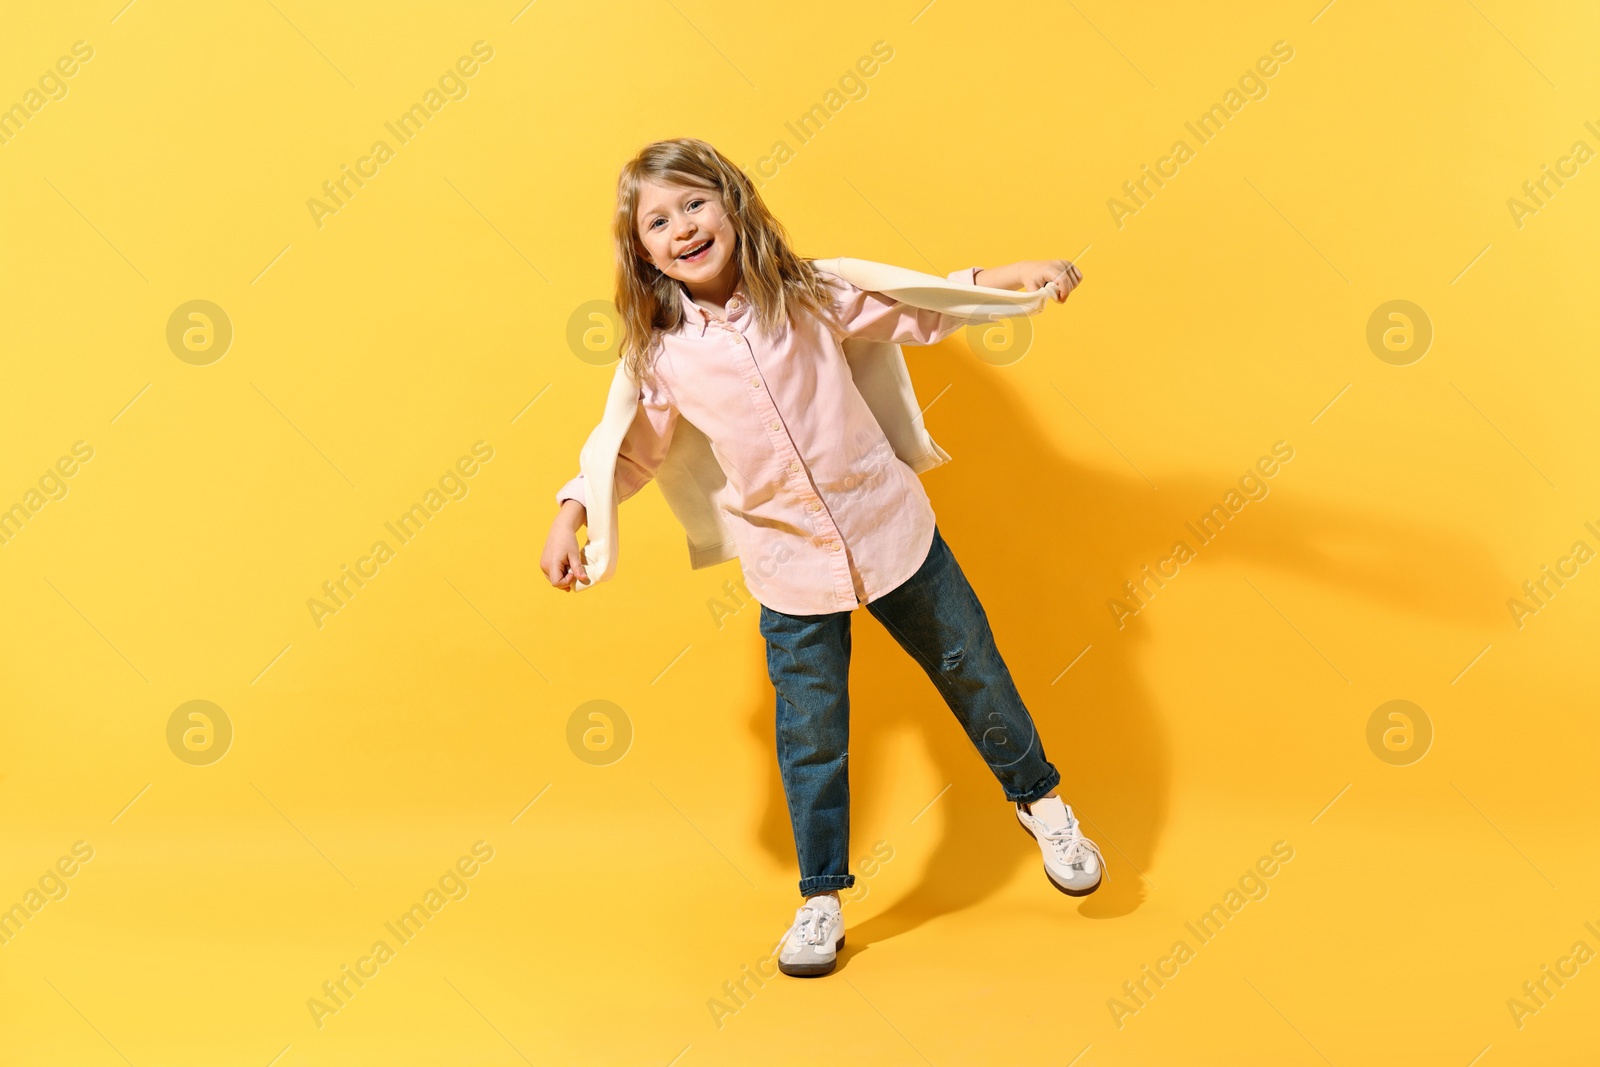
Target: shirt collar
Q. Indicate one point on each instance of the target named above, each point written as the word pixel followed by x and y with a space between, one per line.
pixel 738 305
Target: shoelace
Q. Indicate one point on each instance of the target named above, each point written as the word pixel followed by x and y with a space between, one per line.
pixel 1071 846
pixel 809 924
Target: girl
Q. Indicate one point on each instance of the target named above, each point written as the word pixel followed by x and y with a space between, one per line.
pixel 726 328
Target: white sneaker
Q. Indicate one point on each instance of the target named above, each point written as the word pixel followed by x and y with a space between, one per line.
pixel 811 945
pixel 1071 860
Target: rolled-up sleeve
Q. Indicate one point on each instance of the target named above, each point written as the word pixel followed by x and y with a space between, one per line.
pixel 643 449
pixel 573 490
pixel 875 317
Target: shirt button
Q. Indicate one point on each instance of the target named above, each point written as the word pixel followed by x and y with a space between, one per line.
pixel 755 383
pixel 794 465
pixel 774 424
pixel 833 546
pixel 814 507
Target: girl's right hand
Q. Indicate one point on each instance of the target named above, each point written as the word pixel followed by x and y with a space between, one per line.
pixel 562 559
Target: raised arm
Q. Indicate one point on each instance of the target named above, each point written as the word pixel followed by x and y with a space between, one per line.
pixel 875 317
pixel 1031 274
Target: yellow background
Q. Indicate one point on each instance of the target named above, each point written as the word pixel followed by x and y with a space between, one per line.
pixel 432 710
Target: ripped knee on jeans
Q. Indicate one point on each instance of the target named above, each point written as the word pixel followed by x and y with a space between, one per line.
pixel 952 659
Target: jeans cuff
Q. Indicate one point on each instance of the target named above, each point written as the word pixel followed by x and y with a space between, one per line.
pixel 1049 782
pixel 821 883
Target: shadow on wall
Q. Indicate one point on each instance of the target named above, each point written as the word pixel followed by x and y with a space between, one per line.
pixel 1081 532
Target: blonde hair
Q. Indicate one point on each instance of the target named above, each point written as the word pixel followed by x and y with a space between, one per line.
pixel 776 280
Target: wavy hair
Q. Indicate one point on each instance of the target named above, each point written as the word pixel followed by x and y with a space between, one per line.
pixel 776 280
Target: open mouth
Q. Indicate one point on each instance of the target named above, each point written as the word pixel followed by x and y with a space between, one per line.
pixel 697 252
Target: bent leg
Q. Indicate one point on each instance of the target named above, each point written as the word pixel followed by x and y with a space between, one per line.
pixel 936 617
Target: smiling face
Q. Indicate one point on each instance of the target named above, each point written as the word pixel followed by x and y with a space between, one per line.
pixel 676 219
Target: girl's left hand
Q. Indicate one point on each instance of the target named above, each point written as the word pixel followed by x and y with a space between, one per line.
pixel 1036 274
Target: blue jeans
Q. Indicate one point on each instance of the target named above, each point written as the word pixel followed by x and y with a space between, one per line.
pixel 936 617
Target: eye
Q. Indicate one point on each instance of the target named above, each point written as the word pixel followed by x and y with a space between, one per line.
pixel 692 203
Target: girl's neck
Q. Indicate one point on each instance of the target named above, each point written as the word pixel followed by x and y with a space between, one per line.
pixel 713 295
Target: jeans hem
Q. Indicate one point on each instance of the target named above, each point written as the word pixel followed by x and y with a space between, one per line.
pixel 1038 792
pixel 821 883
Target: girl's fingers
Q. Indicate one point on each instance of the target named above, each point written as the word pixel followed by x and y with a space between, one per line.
pixel 1068 281
pixel 566 571
pixel 1062 280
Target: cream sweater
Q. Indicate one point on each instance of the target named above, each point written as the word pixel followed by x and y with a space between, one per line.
pixel 690 476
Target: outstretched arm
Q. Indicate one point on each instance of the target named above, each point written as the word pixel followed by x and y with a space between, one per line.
pixel 1030 274
pixel 876 317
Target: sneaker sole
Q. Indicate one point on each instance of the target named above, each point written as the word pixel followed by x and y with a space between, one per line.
pixel 812 970
pixel 1069 892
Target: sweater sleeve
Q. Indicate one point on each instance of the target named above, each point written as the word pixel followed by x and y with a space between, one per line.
pixel 875 317
pixel 643 449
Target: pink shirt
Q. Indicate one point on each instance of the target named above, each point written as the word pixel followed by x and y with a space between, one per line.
pixel 825 515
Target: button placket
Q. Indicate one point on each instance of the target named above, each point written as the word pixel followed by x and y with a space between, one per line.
pixel 827 536
pixel 824 550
